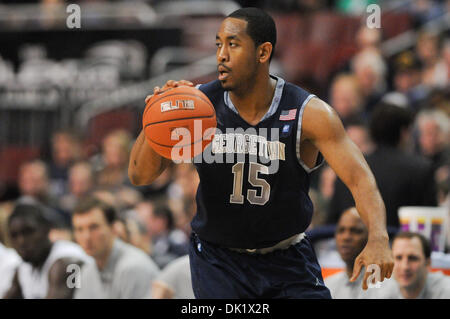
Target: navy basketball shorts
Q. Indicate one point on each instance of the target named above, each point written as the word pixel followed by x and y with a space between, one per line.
pixel 219 272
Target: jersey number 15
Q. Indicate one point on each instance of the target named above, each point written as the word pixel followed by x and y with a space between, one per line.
pixel 238 171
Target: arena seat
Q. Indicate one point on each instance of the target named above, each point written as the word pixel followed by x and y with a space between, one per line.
pixel 393 24
pixel 12 157
pixel 103 123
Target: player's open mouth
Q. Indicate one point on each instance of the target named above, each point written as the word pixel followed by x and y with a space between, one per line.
pixel 223 75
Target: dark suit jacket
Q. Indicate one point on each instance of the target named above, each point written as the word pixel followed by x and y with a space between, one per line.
pixel 403 180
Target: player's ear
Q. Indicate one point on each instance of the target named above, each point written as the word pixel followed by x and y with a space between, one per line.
pixel 264 52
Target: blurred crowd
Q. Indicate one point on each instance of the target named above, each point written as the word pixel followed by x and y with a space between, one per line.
pixel 69 176
pixel 396 110
pixel 154 219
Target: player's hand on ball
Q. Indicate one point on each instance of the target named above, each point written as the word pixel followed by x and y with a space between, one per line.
pixel 377 259
pixel 169 85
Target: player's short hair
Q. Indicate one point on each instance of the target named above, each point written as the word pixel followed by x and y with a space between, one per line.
pixel 387 123
pixel 89 203
pixel 426 249
pixel 260 26
pixel 34 212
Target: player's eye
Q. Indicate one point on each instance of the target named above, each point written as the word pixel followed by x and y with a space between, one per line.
pixel 93 227
pixel 233 44
pixel 218 44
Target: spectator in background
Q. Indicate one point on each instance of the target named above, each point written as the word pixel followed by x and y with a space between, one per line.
pixel 408 79
pixel 33 182
pixel 168 242
pixel 370 70
pixel 81 182
pixel 413 280
pixel 34 188
pixel 439 76
pixel 368 38
pixel 346 97
pixel 127 197
pixel 319 216
pixel 174 281
pixel 117 199
pixel 43 273
pixel 183 209
pixel 121 198
pixel 105 196
pixel 138 233
pixel 442 176
pixel 60 230
pixel 359 134
pixel 66 150
pixel 321 192
pixel 351 238
pixel 185 182
pixel 115 154
pixel 435 69
pixel 182 192
pixel 120 229
pixel 427 48
pixel 120 270
pixel 327 179
pixel 404 179
pixel 433 130
pixel 144 210
pixel 5 210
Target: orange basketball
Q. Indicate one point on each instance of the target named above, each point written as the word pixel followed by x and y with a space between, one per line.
pixel 179 123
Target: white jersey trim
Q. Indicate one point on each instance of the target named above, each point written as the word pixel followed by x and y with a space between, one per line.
pixel 299 132
pixel 275 100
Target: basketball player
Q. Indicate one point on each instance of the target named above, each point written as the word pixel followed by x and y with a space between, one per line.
pixel 45 271
pixel 248 236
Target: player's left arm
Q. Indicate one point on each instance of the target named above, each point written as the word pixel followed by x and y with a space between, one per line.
pixel 323 128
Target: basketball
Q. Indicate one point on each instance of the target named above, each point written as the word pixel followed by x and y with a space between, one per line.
pixel 179 123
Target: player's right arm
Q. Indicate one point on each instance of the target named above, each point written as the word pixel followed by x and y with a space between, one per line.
pixel 323 128
pixel 145 164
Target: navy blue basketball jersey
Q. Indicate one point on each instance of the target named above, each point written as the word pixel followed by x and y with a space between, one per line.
pixel 253 189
